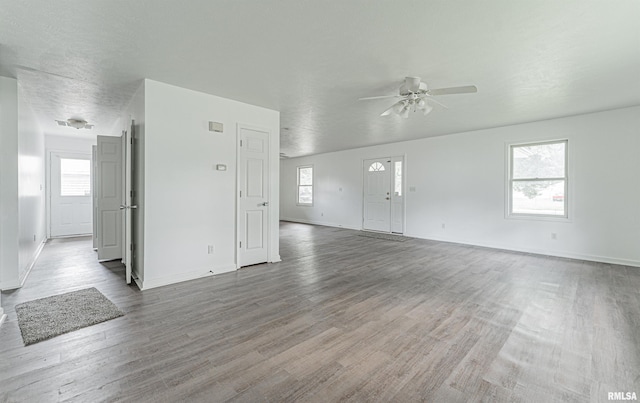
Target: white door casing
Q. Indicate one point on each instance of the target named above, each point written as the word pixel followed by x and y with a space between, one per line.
pixel 383 195
pixel 126 211
pixel 253 196
pixel 377 195
pixel 110 197
pixel 70 214
pixel 94 198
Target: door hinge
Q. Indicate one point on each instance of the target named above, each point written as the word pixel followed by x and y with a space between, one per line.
pixel 240 143
pixel 131 247
pixel 241 244
pixel 131 193
pixel 131 140
pixel 241 193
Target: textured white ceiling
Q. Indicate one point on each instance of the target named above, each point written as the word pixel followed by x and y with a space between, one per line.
pixel 312 60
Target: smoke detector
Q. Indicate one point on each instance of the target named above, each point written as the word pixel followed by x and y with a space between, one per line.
pixel 76 123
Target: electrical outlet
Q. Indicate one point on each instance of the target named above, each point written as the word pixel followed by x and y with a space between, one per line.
pixel 210 250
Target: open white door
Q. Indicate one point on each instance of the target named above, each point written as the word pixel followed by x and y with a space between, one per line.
pixel 253 187
pixel 130 207
pixel 126 207
pixel 109 195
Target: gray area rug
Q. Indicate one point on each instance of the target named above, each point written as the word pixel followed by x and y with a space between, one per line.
pixel 45 318
pixel 388 237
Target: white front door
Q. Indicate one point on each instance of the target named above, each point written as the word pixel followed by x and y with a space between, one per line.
pixel 253 187
pixel 109 187
pixel 70 194
pixel 377 195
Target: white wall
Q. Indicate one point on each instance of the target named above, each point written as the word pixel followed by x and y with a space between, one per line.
pixel 22 231
pixel 31 188
pixel 188 204
pixel 459 181
pixel 80 144
pixel 9 183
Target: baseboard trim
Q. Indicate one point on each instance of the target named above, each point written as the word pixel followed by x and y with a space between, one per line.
pixel 147 283
pixel 322 223
pixel 32 263
pixel 560 254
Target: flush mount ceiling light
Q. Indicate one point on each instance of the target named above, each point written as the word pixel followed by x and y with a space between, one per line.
pixel 415 96
pixel 76 123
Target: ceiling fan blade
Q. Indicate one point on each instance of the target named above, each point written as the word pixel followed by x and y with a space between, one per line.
pixel 453 90
pixel 429 98
pixel 380 97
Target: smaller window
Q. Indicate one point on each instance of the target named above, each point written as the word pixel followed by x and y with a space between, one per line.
pixel 397 180
pixel 305 186
pixel 375 167
pixel 75 177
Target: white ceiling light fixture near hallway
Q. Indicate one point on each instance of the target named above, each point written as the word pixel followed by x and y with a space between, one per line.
pixel 416 97
pixel 75 123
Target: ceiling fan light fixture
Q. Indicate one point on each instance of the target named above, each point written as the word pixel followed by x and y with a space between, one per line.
pixel 75 123
pixel 426 109
pixel 405 112
pixel 414 94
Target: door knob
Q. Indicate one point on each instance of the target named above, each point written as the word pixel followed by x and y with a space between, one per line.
pixel 134 206
pixel 387 198
pixel 265 204
pixel 122 207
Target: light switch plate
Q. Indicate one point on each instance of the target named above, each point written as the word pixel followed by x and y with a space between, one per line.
pixel 221 167
pixel 216 127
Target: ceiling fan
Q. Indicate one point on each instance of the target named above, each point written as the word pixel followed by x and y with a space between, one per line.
pixel 415 95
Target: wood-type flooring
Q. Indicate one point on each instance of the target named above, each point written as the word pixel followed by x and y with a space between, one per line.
pixel 341 318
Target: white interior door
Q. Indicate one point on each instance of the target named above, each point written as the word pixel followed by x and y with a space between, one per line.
pixel 253 186
pixel 110 197
pixel 377 195
pixel 71 212
pixel 130 209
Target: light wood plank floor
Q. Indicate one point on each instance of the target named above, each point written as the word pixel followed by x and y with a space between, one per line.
pixel 343 317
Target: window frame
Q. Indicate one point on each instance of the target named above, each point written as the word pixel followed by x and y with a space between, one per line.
pixel 298 185
pixel 510 180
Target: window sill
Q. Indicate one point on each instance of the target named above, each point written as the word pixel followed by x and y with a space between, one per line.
pixel 533 217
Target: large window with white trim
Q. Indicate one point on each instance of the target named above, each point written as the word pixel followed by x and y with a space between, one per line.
pixel 537 184
pixel 305 185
